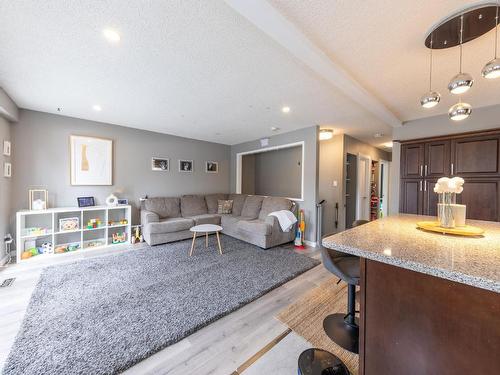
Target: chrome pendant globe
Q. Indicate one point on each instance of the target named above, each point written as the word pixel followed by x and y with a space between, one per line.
pixel 492 69
pixel 431 99
pixel 461 83
pixel 460 111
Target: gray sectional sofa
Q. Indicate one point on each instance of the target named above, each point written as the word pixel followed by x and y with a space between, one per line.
pixel 169 219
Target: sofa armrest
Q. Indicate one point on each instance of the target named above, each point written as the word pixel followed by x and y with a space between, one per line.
pixel 148 217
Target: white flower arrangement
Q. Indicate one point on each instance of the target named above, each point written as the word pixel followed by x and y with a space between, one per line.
pixel 449 185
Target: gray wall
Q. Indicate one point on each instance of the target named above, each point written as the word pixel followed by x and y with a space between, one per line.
pixel 41 158
pixel 355 146
pixel 5 188
pixel 331 169
pixel 275 173
pixel 310 138
pixel 481 119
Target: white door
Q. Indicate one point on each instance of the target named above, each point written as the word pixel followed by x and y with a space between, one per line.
pixel 363 188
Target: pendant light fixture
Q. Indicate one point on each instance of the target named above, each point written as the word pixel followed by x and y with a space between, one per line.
pixel 492 69
pixel 462 82
pixel 431 98
pixel 460 111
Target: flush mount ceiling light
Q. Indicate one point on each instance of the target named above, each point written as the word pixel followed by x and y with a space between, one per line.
pixel 462 82
pixel 111 35
pixel 431 98
pixel 97 108
pixel 325 134
pixel 460 111
pixel 285 109
pixel 274 128
pixel 492 69
pixel 378 135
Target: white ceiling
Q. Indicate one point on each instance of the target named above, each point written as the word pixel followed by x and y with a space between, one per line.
pixel 380 43
pixel 201 70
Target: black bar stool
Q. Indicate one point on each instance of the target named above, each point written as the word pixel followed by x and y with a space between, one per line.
pixel 344 329
pixel 320 362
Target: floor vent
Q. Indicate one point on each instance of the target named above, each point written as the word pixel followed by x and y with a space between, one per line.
pixel 7 282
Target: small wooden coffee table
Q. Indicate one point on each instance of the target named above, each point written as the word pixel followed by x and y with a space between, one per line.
pixel 205 228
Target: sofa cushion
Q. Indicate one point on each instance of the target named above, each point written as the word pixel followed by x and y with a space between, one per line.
pixel 174 224
pixel 231 220
pixel 225 207
pixel 271 204
pixel 238 202
pixel 252 206
pixel 255 226
pixel 206 219
pixel 212 202
pixel 163 207
pixel 193 205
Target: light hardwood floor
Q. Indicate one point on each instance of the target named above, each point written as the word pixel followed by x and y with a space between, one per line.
pixel 219 348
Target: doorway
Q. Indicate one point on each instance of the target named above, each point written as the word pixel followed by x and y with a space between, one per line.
pixel 363 191
pixel 350 189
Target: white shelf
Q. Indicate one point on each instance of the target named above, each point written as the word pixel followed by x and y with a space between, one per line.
pixel 42 218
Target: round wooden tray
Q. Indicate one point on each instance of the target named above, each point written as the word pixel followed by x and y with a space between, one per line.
pixel 434 226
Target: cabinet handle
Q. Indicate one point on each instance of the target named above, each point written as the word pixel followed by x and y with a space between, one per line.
pixel 452 169
pixel 420 185
pixel 425 185
pixel 421 170
pixel 425 173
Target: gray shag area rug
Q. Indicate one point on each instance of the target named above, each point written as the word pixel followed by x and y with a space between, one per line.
pixel 103 315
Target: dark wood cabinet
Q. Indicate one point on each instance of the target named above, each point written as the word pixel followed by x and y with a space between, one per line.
pixel 475 157
pixel 412 161
pixel 437 159
pixel 411 197
pixel 482 198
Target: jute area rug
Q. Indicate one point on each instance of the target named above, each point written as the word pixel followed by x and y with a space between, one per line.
pixel 305 317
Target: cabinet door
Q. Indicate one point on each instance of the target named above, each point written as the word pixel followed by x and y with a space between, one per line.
pixel 412 160
pixel 430 198
pixel 437 159
pixel 411 195
pixel 476 156
pixel 482 198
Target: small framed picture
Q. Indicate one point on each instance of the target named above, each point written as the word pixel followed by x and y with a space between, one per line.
pixel 86 201
pixel 212 167
pixel 186 166
pixel 69 224
pixel 160 164
pixel 6 148
pixel 122 201
pixel 7 170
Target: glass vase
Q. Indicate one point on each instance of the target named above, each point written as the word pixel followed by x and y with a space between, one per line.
pixel 445 210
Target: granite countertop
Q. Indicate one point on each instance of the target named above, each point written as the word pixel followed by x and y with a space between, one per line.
pixel 396 240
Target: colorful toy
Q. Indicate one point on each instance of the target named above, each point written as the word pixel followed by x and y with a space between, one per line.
pixel 119 237
pixel 69 223
pixel 96 243
pixel 94 223
pixel 47 248
pixel 60 249
pixel 299 237
pixel 137 237
pixel 26 255
pixel 72 247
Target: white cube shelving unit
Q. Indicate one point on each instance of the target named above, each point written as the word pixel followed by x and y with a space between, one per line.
pixel 48 222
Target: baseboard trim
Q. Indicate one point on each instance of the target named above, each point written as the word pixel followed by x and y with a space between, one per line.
pixel 311 243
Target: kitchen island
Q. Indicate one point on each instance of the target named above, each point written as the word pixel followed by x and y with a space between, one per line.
pixel 430 303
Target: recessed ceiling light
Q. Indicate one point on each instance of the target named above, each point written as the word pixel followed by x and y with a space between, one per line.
pixel 378 135
pixel 274 128
pixel 285 109
pixel 111 35
pixel 96 107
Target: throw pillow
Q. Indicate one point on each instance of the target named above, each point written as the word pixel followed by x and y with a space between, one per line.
pixel 225 207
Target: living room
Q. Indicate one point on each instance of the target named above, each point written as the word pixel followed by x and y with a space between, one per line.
pixel 226 187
